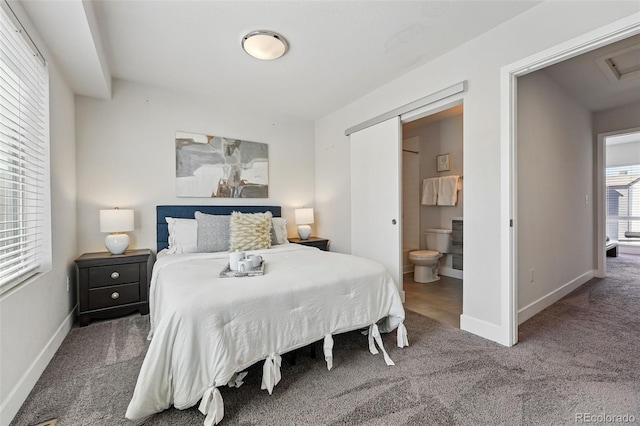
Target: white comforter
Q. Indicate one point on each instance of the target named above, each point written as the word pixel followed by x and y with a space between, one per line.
pixel 205 328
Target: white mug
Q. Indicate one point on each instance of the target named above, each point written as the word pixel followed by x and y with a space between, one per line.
pixel 234 257
pixel 244 265
pixel 256 259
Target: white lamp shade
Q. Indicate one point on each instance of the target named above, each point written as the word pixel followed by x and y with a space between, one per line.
pixel 304 216
pixel 116 220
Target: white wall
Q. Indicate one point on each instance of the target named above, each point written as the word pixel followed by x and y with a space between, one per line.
pixel 621 118
pixel 555 174
pixel 624 154
pixel 36 316
pixel 479 63
pixel 126 152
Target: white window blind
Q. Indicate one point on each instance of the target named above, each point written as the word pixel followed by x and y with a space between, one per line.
pixel 623 203
pixel 24 156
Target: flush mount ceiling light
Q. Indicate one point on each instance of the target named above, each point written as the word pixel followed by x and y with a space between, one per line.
pixel 265 45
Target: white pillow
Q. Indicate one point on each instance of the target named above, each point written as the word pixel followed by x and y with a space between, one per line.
pixel 183 235
pixel 279 231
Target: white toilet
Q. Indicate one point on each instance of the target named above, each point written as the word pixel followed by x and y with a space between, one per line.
pixel 427 262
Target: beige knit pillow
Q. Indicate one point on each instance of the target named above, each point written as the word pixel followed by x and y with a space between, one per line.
pixel 250 231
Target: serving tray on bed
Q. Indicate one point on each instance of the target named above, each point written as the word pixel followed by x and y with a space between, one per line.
pixel 253 272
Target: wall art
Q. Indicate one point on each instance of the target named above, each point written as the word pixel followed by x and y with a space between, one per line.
pixel 219 167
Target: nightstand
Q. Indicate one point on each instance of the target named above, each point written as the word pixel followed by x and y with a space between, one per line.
pixel 321 243
pixel 112 285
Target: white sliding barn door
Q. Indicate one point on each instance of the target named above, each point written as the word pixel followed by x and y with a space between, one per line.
pixel 376 225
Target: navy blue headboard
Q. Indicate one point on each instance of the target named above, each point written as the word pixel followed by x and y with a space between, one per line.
pixel 188 212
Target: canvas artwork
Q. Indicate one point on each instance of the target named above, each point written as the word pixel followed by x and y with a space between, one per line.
pixel 214 166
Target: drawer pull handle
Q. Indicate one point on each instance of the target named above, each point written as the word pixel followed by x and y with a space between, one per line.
pixel 115 275
pixel 115 295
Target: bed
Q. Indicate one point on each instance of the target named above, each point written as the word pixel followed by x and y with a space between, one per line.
pixel 206 330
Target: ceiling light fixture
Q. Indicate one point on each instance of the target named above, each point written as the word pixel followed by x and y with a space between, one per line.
pixel 265 45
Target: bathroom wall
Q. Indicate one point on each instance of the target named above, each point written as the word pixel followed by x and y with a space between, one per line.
pixel 410 200
pixel 411 193
pixel 439 133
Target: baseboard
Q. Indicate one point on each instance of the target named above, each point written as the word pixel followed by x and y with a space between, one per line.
pixel 450 272
pixel 21 390
pixel 484 329
pixel 551 298
pixel 407 269
pixel 628 249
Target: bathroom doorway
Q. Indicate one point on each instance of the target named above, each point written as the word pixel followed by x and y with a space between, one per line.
pixel 433 148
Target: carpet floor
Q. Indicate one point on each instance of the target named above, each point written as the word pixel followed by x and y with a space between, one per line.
pixel 579 359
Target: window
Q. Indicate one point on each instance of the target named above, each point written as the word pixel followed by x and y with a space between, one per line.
pixel 623 203
pixel 25 241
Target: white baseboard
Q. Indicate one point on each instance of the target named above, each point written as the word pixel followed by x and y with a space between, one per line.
pixel 628 249
pixel 551 298
pixel 484 329
pixel 450 272
pixel 21 390
pixel 407 269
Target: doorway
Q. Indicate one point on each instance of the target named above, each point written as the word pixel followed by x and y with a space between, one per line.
pixel 424 141
pixel 522 276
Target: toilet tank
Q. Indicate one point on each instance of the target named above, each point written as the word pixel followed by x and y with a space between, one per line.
pixel 438 240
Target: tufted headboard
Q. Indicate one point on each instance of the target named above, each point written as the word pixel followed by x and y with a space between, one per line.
pixel 188 212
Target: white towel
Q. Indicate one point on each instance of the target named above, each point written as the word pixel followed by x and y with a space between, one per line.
pixel 448 190
pixel 430 191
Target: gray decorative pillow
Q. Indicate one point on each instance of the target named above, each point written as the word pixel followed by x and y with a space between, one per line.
pixel 213 232
pixel 279 231
pixel 250 231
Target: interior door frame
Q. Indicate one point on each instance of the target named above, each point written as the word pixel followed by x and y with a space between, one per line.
pixel 601 197
pixel 509 74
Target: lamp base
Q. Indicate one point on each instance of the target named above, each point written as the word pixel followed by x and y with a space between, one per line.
pixel 116 243
pixel 304 231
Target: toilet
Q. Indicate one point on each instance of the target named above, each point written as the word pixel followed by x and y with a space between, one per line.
pixel 427 262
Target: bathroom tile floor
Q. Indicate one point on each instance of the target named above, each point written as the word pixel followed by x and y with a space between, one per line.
pixel 440 300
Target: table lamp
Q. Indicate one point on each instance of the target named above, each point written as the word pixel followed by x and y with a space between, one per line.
pixel 303 218
pixel 116 222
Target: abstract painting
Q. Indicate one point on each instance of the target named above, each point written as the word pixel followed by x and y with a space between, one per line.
pixel 219 167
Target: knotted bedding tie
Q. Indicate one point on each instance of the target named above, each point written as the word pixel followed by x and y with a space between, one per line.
pixel 328 351
pixel 271 372
pixel 212 406
pixel 403 338
pixel 236 379
pixel 374 333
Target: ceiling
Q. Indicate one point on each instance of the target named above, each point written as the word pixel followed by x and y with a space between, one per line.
pixel 339 50
pixel 587 79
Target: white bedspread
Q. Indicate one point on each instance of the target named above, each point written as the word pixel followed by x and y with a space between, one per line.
pixel 205 328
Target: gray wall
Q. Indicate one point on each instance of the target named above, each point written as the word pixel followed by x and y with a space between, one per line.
pixel 555 225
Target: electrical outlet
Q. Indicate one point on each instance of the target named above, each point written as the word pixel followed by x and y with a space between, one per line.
pixel 531 275
pixel 68 283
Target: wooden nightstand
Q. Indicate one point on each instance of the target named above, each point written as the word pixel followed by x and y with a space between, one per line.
pixel 112 285
pixel 321 243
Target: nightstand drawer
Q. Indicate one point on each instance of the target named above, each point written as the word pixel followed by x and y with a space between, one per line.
pixel 101 276
pixel 114 295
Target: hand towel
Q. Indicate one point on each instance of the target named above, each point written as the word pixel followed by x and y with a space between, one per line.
pixel 430 191
pixel 448 190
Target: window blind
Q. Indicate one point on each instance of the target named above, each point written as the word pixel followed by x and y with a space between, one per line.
pixel 24 156
pixel 623 202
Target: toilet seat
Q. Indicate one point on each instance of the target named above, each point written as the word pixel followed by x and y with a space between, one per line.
pixel 424 254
